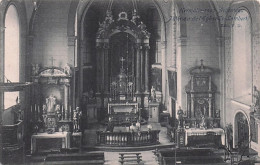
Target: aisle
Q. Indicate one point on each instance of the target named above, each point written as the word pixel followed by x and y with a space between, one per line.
pixel 148 158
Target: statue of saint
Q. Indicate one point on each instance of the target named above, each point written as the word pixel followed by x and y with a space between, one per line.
pixel 50 103
pixel 153 94
pixel 180 118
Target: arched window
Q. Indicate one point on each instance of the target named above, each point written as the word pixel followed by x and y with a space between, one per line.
pixel 11 53
pixel 242 68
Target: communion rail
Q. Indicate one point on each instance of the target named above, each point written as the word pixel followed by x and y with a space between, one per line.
pixel 140 138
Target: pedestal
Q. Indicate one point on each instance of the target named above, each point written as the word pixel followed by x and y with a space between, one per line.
pixel 153 112
pixel 180 137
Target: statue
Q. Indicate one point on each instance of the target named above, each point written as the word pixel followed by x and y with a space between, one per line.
pixel 76 119
pixel 153 94
pixel 203 123
pixel 51 102
pixel 135 17
pixel 180 118
pixel 67 70
pixel 58 112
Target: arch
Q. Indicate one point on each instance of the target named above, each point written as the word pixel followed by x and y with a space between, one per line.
pixel 249 6
pixel 235 126
pixel 242 55
pixel 21 10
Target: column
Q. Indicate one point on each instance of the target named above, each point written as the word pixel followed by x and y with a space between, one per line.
pixel 66 101
pixel 138 69
pixel 106 69
pixel 99 68
pixel 146 70
pixel 163 52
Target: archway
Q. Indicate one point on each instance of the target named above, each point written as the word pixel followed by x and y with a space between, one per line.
pixel 241 133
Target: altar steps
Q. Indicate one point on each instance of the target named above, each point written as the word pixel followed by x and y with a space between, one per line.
pixel 126 149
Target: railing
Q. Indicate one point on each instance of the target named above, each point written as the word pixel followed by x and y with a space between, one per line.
pixel 128 138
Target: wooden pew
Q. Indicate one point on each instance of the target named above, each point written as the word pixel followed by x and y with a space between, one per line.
pixel 187 155
pixel 130 157
pixel 95 158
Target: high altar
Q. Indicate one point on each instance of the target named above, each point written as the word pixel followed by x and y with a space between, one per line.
pixel 122 47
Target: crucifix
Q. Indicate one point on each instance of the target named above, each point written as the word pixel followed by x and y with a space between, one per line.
pixel 122 60
pixel 52 60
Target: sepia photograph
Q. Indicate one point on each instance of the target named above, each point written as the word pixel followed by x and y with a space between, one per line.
pixel 120 82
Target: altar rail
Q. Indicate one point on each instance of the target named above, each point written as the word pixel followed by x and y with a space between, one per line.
pixel 128 138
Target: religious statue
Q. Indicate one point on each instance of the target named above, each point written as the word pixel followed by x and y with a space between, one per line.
pixel 76 119
pixel 58 112
pixel 180 118
pixel 203 123
pixel 153 94
pixel 135 17
pixel 51 103
pixel 67 70
pixel 256 103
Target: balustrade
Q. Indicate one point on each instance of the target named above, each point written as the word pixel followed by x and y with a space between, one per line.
pixel 128 138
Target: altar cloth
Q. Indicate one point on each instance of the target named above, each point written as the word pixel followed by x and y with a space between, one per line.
pixel 203 132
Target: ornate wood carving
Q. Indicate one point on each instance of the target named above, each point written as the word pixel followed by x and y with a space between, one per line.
pixel 201 97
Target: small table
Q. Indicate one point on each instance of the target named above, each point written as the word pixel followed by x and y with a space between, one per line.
pixel 203 132
pixel 64 136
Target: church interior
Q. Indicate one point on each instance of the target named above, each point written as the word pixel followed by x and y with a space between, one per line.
pixel 130 81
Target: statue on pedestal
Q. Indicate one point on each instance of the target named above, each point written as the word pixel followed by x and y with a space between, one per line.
pixel 153 94
pixel 180 118
pixel 76 119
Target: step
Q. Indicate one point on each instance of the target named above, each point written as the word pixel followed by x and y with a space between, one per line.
pixel 134 156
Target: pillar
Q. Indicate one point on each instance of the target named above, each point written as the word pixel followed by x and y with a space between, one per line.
pixel 106 69
pixel 99 68
pixel 138 69
pixel 163 50
pixel 66 101
pixel 146 70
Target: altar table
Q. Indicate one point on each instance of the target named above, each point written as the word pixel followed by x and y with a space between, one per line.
pixel 203 132
pixel 64 136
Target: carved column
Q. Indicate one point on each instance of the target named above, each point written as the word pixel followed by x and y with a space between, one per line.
pixel 138 69
pixel 146 69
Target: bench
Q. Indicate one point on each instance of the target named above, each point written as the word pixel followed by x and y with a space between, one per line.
pixel 87 158
pixel 130 157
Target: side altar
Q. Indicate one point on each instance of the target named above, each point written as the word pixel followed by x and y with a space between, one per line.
pixel 200 126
